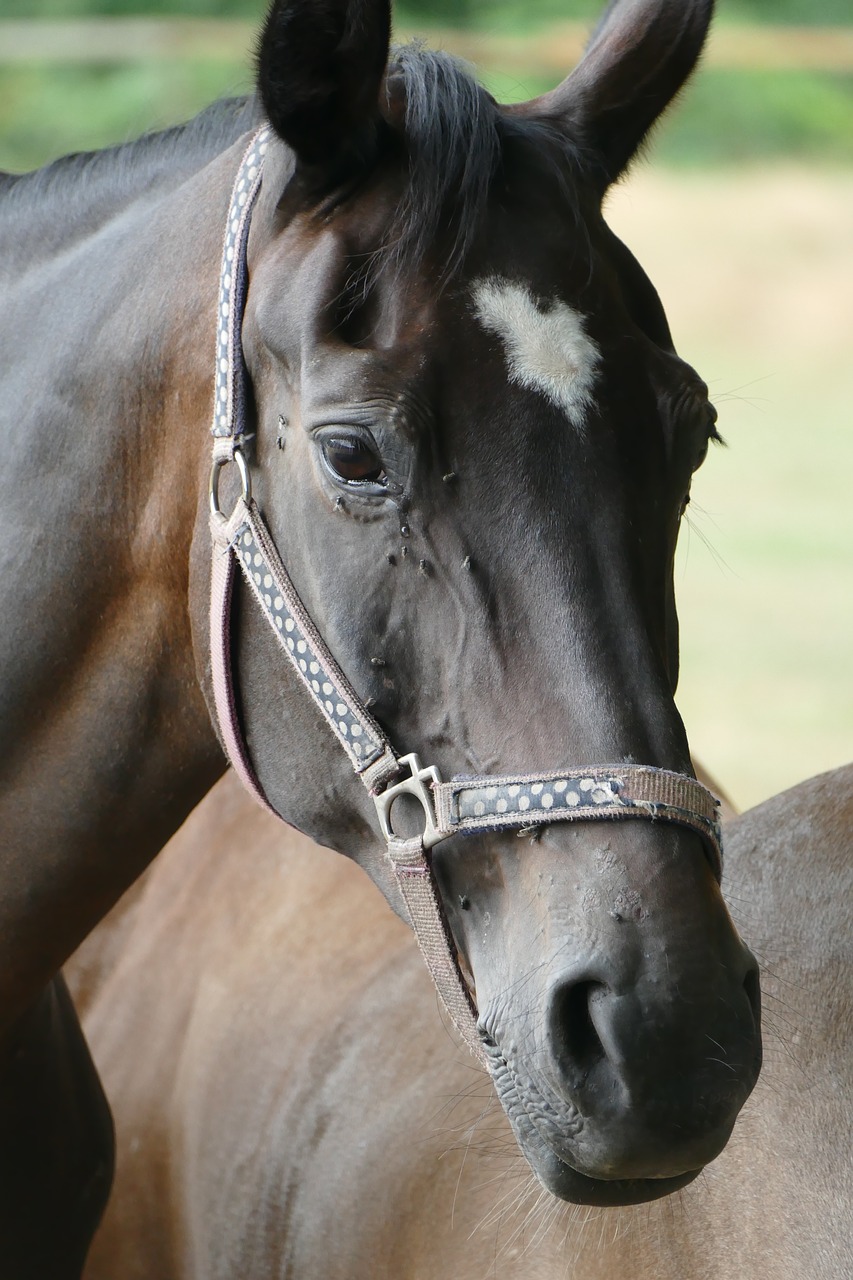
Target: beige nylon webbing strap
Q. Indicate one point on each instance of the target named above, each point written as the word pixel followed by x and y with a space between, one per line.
pixel 420 893
pixel 463 806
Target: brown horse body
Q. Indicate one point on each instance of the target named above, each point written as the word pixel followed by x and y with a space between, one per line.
pixel 290 1104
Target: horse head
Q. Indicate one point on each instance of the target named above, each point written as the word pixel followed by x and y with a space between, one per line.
pixel 473 442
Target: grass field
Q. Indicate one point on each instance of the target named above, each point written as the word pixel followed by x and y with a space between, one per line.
pixel 756 271
pixel 755 266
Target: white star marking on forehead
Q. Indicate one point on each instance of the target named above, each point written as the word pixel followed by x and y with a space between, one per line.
pixel 547 346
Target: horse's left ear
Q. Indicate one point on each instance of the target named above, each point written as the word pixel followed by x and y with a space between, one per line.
pixel 639 57
pixel 320 68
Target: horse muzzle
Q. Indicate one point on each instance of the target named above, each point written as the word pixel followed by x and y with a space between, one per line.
pixel 622 1048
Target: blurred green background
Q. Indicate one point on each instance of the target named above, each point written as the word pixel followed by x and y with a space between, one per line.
pixel 754 99
pixel 744 220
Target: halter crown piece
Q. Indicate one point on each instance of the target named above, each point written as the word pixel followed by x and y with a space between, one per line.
pixel 449 808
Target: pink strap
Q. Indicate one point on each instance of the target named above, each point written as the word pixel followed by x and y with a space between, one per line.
pixel 221 589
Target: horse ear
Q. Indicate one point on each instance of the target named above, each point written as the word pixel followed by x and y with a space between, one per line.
pixel 320 68
pixel 637 60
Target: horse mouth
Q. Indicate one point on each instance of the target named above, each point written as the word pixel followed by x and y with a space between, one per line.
pixel 535 1124
pixel 566 1182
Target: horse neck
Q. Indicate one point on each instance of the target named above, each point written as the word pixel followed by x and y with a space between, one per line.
pixel 48 211
pixel 105 739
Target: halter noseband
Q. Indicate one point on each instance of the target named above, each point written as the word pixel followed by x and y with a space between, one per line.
pixel 464 805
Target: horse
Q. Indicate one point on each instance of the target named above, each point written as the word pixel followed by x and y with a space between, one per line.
pixel 452 445
pixel 290 1102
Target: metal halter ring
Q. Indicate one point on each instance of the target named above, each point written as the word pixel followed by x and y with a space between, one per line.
pixel 419 784
pixel 245 479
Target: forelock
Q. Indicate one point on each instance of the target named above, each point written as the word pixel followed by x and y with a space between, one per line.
pixel 453 144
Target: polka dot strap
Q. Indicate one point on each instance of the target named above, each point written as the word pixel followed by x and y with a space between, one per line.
pixel 526 801
pixel 246 537
pixel 605 791
pixel 368 749
pixel 230 383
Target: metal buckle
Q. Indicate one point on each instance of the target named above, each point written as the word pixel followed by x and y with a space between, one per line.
pixel 419 785
pixel 245 480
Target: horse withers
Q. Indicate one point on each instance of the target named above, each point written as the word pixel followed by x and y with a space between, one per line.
pixel 471 441
pixel 289 1102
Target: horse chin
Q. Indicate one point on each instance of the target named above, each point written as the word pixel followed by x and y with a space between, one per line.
pixel 566 1183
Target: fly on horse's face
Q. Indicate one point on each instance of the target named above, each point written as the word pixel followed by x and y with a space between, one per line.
pixel 474 445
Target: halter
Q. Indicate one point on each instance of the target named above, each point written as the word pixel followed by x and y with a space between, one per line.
pixel 461 806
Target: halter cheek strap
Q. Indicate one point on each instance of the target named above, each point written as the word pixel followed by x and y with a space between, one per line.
pixel 459 807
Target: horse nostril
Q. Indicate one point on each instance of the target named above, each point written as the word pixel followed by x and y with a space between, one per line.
pixel 574 1036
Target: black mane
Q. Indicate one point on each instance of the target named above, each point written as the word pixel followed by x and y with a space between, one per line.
pixel 87 188
pixel 203 137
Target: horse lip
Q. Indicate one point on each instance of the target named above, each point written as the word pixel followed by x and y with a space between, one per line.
pixel 566 1183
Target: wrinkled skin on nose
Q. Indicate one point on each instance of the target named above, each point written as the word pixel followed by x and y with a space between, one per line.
pixel 618 1006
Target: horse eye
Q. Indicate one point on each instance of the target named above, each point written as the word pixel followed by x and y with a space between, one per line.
pixel 352 460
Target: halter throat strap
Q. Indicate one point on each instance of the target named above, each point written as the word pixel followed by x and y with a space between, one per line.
pixel 459 807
